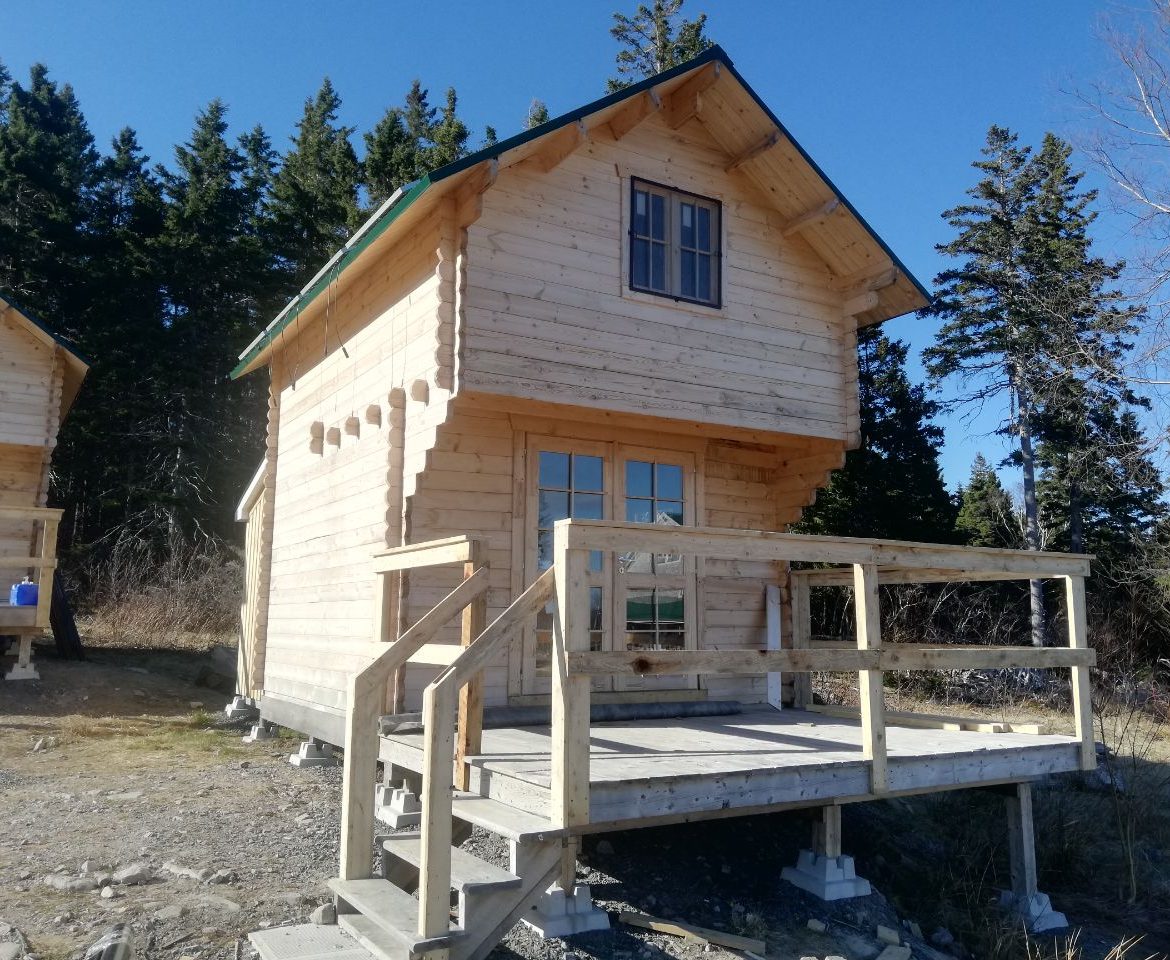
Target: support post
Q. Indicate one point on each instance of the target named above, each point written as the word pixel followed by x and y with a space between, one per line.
pixel 570 698
pixel 873 708
pixel 1024 899
pixel 801 637
pixel 46 574
pixel 772 610
pixel 824 871
pixel 359 776
pixel 471 695
pixel 1078 638
pixel 827 832
pixel 434 892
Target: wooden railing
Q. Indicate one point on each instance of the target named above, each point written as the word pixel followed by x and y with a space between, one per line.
pixel 41 565
pixel 869 562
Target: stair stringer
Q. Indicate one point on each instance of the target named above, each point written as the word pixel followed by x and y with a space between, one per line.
pixel 487 917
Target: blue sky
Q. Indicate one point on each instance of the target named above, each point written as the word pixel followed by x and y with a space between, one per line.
pixel 893 99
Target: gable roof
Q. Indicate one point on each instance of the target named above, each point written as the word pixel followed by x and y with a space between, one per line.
pixel 806 200
pixel 75 367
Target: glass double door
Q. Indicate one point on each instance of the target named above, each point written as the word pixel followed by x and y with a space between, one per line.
pixel 637 601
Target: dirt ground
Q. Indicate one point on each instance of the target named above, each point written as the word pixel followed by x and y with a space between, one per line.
pixel 120 761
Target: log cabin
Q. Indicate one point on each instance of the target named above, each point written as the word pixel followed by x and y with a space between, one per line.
pixel 40 375
pixel 535 435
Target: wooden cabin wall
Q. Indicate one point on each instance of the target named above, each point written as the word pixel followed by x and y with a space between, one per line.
pixel 474 484
pixel 548 315
pixel 342 420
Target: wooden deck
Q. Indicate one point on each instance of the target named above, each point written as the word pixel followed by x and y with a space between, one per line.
pixel 658 771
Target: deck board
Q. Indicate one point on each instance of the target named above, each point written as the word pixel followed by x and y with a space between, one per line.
pixel 650 769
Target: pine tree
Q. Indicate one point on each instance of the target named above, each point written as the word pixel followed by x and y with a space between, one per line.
pixel 391 160
pixel 490 137
pixel 891 486
pixel 1027 312
pixel 654 39
pixel 314 205
pixel 986 517
pixel 537 114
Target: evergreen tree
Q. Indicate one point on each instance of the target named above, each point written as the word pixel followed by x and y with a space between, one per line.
pixel 1027 311
pixel 987 517
pixel 314 207
pixel 537 114
pixel 490 138
pixel 654 39
pixel 448 135
pixel 891 486
pixel 48 170
pixel 391 160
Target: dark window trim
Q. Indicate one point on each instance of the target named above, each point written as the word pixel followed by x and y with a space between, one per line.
pixel 716 252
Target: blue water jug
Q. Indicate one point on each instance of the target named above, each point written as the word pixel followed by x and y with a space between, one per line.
pixel 23 594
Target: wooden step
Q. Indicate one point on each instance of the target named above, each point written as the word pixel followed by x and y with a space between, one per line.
pixel 391 910
pixel 307 941
pixel 468 872
pixel 501 819
pixel 372 939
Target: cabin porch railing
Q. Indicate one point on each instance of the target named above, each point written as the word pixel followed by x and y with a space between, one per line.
pixel 41 563
pixel 452 706
pixel 864 564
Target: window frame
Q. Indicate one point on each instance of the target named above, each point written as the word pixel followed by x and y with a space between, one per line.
pixel 674 243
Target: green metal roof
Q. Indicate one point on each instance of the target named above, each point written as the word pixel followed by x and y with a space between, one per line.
pixel 383 219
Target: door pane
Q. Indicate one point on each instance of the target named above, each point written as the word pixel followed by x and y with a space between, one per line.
pixel 588 474
pixel 639 479
pixel 554 470
pixel 588 506
pixel 668 481
pixel 554 506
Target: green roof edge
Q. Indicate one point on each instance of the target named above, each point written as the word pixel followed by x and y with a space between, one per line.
pixel 376 229
pixel 40 324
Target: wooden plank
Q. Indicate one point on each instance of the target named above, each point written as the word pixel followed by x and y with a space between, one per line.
pixel 867 613
pixel 430 554
pixel 633 113
pixel 934 721
pixel 753 152
pixel 1082 693
pixel 685 101
pixel 691 932
pixel 801 637
pixel 715 542
pixel 434 892
pixel 359 776
pixel 816 215
pixel 470 723
pixel 772 610
pixel 558 147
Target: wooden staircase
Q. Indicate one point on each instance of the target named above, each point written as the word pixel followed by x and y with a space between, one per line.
pixel 378 917
pixel 433 897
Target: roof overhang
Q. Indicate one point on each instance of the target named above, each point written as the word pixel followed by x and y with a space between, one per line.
pixel 876 285
pixel 75 367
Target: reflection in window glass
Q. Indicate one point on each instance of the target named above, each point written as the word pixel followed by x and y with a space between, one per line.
pixel 654 494
pixel 655 619
pixel 569 485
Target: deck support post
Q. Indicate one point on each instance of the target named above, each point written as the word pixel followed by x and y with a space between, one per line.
pixel 1078 639
pixel 470 722
pixel 1024 899
pixel 824 871
pixel 801 637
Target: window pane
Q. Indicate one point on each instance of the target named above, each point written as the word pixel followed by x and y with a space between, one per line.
pixel 658 266
pixel 595 608
pixel 587 474
pixel 639 609
pixel 703 285
pixel 639 478
pixel 640 267
pixel 639 511
pixel 641 225
pixel 669 512
pixel 544 549
pixel 554 470
pixel 669 607
pixel 657 217
pixel 587 506
pixel 554 506
pixel 704 238
pixel 668 481
pixel 687 223
pixel 687 274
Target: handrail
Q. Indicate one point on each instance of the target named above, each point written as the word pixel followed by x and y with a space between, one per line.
pixel 43 565
pixel 866 564
pixel 365 690
pixel 439 703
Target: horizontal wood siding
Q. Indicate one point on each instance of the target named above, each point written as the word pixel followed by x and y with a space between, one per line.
pixel 546 316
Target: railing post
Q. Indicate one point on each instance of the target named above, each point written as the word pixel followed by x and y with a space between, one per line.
pixel 570 696
pixel 471 695
pixel 358 777
pixel 1078 638
pixel 801 637
pixel 434 892
pixel 873 708
pixel 46 574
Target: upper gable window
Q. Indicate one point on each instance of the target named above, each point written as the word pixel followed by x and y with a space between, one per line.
pixel 674 243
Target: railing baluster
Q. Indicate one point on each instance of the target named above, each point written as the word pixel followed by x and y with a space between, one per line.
pixel 1074 591
pixel 434 893
pixel 471 695
pixel 801 637
pixel 873 708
